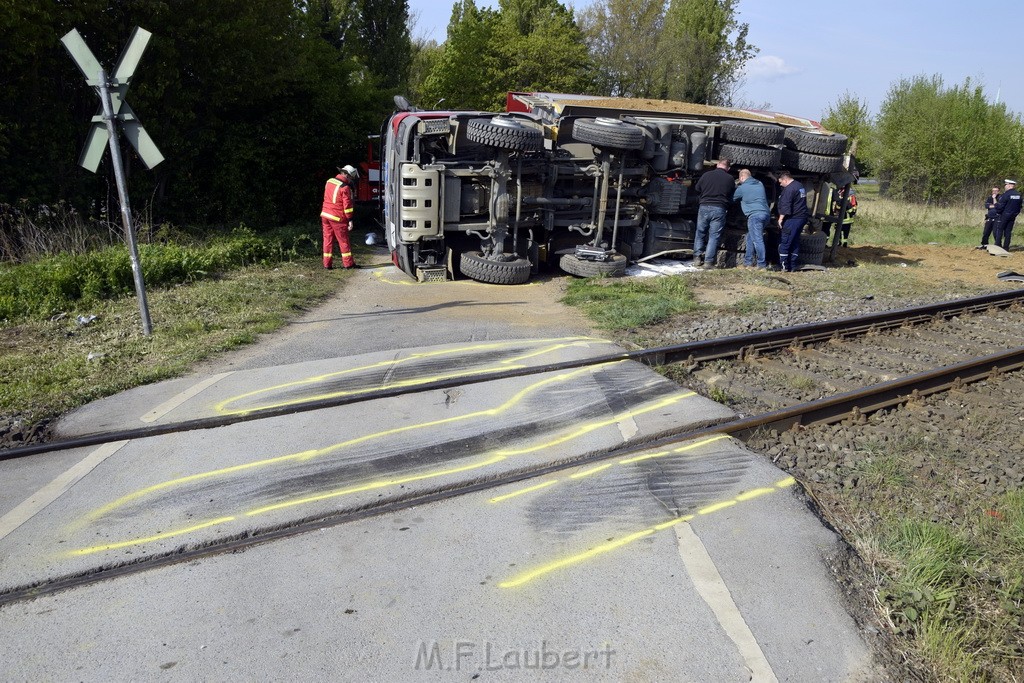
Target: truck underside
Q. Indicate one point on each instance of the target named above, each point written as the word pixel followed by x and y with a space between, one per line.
pixel 587 186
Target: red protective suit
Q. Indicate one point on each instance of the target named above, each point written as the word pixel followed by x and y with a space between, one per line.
pixel 335 217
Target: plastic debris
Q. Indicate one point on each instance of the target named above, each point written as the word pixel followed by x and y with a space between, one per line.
pixel 84 320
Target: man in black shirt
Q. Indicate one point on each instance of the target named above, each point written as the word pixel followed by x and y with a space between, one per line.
pixel 715 190
pixel 793 215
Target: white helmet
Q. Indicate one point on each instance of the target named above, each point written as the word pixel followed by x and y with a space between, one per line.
pixel 352 171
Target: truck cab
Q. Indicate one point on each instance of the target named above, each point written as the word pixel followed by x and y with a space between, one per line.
pixel 583 184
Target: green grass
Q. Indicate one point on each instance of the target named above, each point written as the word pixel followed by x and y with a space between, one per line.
pixel 629 304
pixel 887 221
pixel 45 365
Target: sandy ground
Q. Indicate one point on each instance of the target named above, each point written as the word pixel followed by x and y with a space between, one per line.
pixel 941 263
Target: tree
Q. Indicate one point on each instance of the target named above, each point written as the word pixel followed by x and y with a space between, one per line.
pixel 523 45
pixel 849 116
pixel 939 144
pixel 708 48
pixel 623 36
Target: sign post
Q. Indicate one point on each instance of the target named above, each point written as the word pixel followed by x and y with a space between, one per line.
pixel 114 114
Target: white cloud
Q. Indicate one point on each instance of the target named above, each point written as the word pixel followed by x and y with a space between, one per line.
pixel 768 68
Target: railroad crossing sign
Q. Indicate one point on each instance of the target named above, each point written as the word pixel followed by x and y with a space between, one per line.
pixel 118 83
pixel 113 111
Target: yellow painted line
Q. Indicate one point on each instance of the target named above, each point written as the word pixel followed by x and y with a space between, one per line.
pixel 753 493
pixel 149 539
pixel 191 392
pixel 575 559
pixel 529 489
pixel 586 429
pixel 316 453
pixel 370 487
pixel 499 366
pixel 592 470
pixel 641 458
pixel 613 545
pixel 716 507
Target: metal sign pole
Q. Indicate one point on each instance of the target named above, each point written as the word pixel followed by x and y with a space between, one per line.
pixel 122 192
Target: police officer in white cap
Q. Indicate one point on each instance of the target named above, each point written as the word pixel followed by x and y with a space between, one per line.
pixel 1006 212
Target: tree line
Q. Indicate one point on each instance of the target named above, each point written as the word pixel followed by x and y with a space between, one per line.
pixel 254 103
pixel 931 142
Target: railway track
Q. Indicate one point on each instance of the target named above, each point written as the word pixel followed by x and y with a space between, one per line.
pixel 808 375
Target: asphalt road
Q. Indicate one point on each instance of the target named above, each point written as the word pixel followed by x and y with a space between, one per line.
pixel 698 561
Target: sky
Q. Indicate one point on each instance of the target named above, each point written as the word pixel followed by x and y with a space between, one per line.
pixel 811 53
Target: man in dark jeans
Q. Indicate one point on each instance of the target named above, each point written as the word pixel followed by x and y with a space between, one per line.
pixel 715 190
pixel 793 215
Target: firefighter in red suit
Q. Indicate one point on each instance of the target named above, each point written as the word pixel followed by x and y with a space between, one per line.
pixel 336 216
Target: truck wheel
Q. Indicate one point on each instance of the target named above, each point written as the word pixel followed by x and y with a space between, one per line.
pixel 613 267
pixel 608 133
pixel 812 249
pixel 758 157
pixel 505 133
pixel 752 133
pixel 812 163
pixel 513 272
pixel 815 143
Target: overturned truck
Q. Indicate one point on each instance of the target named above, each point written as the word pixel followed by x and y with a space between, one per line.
pixel 583 184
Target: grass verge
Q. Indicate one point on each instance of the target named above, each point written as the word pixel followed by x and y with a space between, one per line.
pixel 623 305
pixel 50 366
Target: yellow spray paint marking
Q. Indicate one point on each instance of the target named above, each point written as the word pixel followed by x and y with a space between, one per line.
pixel 529 489
pixel 310 454
pixel 613 545
pixel 512 363
pixel 406 281
pixel 592 470
pixel 150 539
pixel 586 429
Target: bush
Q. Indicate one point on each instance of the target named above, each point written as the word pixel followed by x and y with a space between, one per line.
pixel 54 284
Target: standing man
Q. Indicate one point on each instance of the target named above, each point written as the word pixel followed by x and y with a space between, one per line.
pixel 1007 209
pixel 990 217
pixel 715 190
pixel 336 216
pixel 792 206
pixel 754 203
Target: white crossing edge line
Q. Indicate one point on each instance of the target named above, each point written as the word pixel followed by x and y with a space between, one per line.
pixel 711 587
pixel 52 491
pixel 172 403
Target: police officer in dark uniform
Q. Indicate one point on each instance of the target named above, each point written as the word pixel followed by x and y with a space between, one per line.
pixel 990 217
pixel 1007 209
pixel 793 215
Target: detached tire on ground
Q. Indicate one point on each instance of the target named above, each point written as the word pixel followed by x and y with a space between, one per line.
pixel 752 132
pixel 608 133
pixel 613 267
pixel 757 157
pixel 815 143
pixel 474 265
pixel 505 133
pixel 812 249
pixel 812 163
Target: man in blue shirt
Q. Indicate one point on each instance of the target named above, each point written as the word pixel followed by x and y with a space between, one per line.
pixel 1006 211
pixel 793 215
pixel 751 196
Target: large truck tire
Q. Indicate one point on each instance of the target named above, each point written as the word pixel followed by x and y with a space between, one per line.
pixel 513 272
pixel 505 133
pixel 608 133
pixel 812 249
pixel 752 133
pixel 757 157
pixel 615 266
pixel 815 143
pixel 811 163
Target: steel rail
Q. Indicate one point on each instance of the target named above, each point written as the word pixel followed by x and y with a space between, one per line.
pixel 851 405
pixel 697 351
